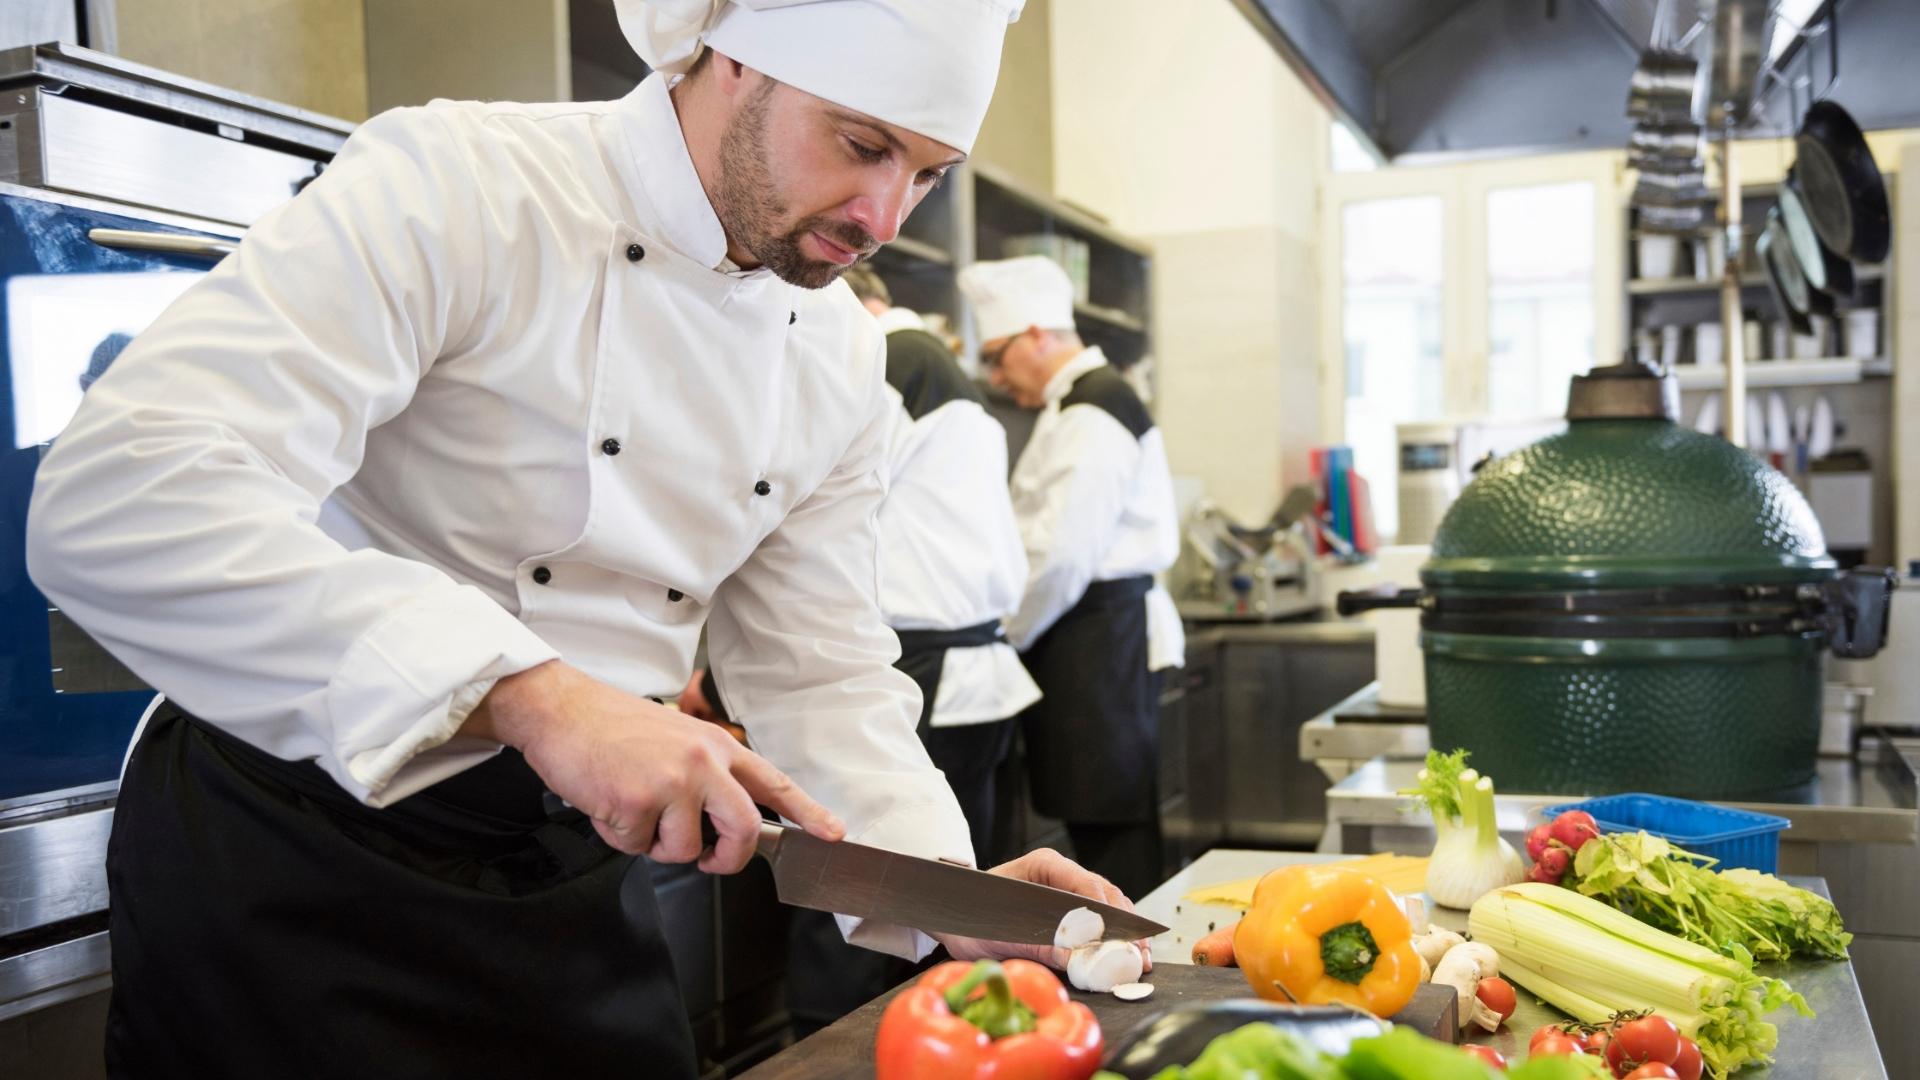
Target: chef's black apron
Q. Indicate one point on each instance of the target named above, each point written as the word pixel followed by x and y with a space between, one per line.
pixel 266 924
pixel 1093 739
pixel 828 978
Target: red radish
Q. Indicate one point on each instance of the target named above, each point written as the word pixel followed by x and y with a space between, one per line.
pixel 1496 994
pixel 1556 860
pixel 1653 1070
pixel 1688 1064
pixel 1575 827
pixel 1487 1054
pixel 1538 838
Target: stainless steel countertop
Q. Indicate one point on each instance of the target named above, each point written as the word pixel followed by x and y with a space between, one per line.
pixel 1837 1045
pixel 1317 631
pixel 1850 800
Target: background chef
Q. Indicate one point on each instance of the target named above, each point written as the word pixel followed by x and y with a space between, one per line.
pixel 1095 504
pixel 415 500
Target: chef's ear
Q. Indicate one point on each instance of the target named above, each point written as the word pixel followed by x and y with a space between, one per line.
pixel 729 76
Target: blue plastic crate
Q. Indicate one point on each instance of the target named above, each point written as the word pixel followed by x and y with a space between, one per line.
pixel 1735 837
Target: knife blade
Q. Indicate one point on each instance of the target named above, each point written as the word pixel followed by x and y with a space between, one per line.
pixel 926 894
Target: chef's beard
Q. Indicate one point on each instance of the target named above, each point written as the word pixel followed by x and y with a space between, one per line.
pixel 750 207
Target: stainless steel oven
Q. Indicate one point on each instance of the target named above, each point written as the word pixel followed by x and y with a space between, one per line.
pixel 78 278
pixel 119 187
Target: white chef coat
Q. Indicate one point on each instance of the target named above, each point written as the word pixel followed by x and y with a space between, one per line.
pixel 480 398
pixel 1095 503
pixel 950 552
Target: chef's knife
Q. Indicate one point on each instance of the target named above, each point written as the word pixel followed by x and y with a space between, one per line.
pixel 926 894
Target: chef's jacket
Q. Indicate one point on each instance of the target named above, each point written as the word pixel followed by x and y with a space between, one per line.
pixel 485 395
pixel 1095 503
pixel 950 552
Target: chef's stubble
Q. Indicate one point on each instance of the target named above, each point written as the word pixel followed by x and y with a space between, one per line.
pixel 754 214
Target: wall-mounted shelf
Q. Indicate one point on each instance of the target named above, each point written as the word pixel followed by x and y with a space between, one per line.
pixel 1111 316
pixel 920 249
pixel 1681 286
pixel 1826 371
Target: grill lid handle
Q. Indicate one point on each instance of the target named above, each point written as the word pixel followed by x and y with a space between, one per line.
pixel 1857 610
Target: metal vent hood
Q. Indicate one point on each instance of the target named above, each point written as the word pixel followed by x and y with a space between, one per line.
pixel 1437 79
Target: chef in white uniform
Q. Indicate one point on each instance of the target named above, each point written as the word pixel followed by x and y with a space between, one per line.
pixel 1094 500
pixel 951 569
pixel 411 505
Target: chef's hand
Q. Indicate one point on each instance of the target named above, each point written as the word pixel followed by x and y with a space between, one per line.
pixel 642 771
pixel 1044 866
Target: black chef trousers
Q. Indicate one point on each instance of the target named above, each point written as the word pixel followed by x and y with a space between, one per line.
pixel 266 924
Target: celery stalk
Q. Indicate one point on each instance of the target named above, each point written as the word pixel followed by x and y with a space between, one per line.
pixel 1591 961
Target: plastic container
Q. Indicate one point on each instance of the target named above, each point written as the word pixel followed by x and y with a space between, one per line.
pixel 1735 837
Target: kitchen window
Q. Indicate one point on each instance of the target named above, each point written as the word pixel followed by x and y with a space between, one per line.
pixel 1540 277
pixel 1391 272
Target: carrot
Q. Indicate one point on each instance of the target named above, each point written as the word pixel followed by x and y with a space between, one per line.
pixel 1216 949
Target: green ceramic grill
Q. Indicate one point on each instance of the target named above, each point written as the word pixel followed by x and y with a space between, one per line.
pixel 1631 605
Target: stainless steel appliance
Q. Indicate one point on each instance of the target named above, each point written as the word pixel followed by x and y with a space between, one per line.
pixel 1230 572
pixel 119 187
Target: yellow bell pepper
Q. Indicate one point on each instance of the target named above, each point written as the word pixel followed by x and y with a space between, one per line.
pixel 1320 934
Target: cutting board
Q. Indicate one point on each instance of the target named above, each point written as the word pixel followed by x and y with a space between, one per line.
pixel 844 1051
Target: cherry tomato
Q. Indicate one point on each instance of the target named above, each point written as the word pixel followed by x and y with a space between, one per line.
pixel 1557 1045
pixel 1541 1032
pixel 1688 1064
pixel 1652 1070
pixel 1597 1042
pixel 1487 1054
pixel 1575 827
pixel 1649 1039
pixel 1496 994
pixel 1537 839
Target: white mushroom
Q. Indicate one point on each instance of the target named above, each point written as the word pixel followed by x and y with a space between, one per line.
pixel 1462 968
pixel 1079 927
pixel 1435 943
pixel 1099 968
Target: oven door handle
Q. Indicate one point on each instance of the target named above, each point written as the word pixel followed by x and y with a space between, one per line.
pixel 205 247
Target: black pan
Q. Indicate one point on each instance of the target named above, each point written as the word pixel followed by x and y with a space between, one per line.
pixel 1829 273
pixel 1844 193
pixel 1790 293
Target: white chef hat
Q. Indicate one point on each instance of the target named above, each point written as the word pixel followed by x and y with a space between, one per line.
pixel 924 65
pixel 1009 295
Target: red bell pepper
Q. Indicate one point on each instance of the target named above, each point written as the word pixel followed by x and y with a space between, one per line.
pixel 987 1021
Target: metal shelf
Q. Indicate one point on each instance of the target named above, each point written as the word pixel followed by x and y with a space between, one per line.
pixel 1663 286
pixel 1826 371
pixel 920 249
pixel 1667 286
pixel 1111 316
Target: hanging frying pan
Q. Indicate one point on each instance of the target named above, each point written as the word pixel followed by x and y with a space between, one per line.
pixel 1844 193
pixel 1829 273
pixel 1783 274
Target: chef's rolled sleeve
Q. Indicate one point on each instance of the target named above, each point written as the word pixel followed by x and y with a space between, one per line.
pixel 175 519
pixel 806 666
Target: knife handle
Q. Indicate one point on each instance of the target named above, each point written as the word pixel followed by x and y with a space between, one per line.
pixel 765 846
